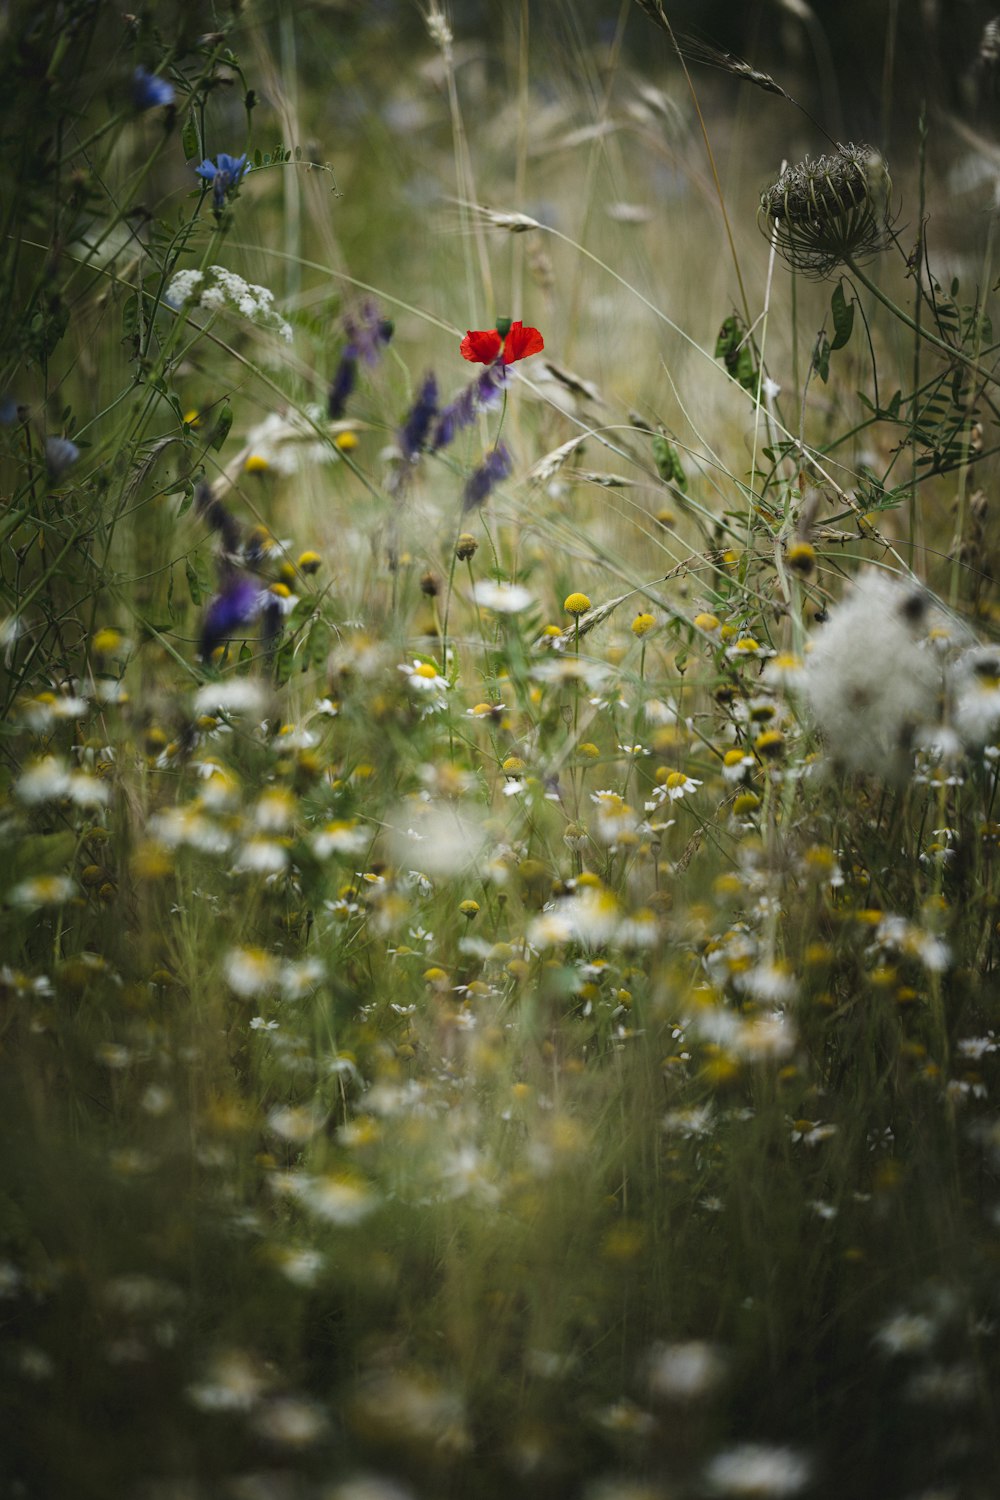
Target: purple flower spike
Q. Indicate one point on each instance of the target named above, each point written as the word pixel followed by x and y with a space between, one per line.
pixel 413 435
pixel 217 516
pixel 481 482
pixel 491 385
pixel 367 332
pixel 225 174
pixel 236 606
pixel 150 92
pixel 367 335
pixel 484 392
pixel 341 386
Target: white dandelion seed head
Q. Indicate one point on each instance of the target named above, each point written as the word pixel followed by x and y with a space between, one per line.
pixel 758 1471
pixel 869 683
pixel 685 1371
pixel 502 598
pixel 974 691
pixel 238 695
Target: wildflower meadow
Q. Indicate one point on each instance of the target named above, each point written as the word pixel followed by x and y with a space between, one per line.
pixel 500 897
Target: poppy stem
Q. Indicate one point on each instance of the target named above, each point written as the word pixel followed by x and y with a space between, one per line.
pixel 503 413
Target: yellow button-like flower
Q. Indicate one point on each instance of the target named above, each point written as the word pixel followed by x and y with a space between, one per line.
pixel 576 604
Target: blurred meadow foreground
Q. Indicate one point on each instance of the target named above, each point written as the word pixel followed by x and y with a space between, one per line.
pixel 501 731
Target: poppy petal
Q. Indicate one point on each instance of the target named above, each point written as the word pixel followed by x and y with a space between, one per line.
pixel 481 346
pixel 521 342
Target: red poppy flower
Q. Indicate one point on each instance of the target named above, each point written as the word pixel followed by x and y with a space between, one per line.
pixel 482 346
pixel 520 342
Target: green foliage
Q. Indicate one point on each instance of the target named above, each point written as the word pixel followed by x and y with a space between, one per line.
pixel 734 348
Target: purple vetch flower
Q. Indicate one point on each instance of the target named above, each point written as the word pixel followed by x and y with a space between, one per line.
pixel 484 392
pixel 367 335
pixel 236 605
pixel 343 382
pixel 225 174
pixel 413 434
pixel 150 92
pixel 367 332
pixel 495 467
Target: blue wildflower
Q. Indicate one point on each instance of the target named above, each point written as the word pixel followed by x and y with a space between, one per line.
pixel 237 605
pixel 480 484
pixel 8 411
pixel 413 434
pixel 225 174
pixel 60 454
pixel 150 92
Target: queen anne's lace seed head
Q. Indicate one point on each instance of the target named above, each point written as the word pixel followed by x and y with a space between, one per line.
pixel 829 211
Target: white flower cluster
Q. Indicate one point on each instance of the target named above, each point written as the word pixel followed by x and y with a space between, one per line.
pixel 218 288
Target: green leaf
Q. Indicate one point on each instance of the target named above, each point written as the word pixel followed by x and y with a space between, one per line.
pixel 843 317
pixel 732 348
pixel 318 646
pixel 668 464
pixel 821 358
pixel 189 138
pixel 223 423
pixel 195 585
pixel 130 316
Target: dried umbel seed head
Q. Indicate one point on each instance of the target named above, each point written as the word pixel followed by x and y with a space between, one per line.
pixel 830 211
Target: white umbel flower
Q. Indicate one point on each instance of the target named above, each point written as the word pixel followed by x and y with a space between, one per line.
pixel 218 288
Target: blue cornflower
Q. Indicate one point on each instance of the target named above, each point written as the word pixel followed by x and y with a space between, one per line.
pixel 496 466
pixel 413 434
pixel 237 604
pixel 225 175
pixel 60 454
pixel 150 92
